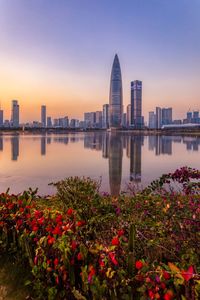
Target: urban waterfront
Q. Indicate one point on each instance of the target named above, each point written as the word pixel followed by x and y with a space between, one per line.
pixel 116 159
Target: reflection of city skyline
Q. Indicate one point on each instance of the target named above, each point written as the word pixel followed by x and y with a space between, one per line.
pixel 112 147
pixel 15 147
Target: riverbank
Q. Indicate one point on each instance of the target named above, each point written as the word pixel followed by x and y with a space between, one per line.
pixel 145 132
pixel 81 244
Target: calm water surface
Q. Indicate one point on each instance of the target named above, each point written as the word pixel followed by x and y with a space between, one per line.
pixel 115 159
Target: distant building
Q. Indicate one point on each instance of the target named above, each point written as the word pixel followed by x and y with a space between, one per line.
pixel 56 122
pixel 36 124
pixel 15 114
pixel 195 114
pixel 98 120
pixel 158 118
pixel 128 115
pixel 166 116
pixel 66 122
pixel 1 118
pixel 49 122
pixel 90 119
pixel 74 123
pixel 196 118
pixel 192 118
pixel 105 116
pixel 177 122
pixel 43 115
pixel 81 124
pixel 152 120
pixel 189 117
pixel 124 121
pixel 116 97
pixel 6 123
pixel 136 104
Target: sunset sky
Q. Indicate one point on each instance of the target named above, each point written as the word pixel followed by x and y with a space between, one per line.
pixel 60 53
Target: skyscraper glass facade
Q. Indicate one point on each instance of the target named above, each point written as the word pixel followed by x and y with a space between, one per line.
pixel 116 97
pixel 15 114
pixel 136 104
pixel 43 115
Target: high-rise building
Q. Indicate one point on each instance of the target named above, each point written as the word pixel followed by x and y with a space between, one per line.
pixel 136 104
pixel 196 118
pixel 43 115
pixel 74 123
pixel 66 122
pixel 152 120
pixel 116 97
pixel 189 116
pixel 90 119
pixel 15 114
pixel 1 118
pixel 124 121
pixel 49 122
pixel 158 118
pixel 105 116
pixel 166 116
pixel 98 121
pixel 128 115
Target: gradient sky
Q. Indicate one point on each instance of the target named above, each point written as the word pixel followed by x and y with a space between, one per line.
pixel 60 53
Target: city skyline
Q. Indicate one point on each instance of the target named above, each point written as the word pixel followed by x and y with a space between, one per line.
pixel 49 54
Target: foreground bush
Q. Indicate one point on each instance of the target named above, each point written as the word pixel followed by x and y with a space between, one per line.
pixel 141 247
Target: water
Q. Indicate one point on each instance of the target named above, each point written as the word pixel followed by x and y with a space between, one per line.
pixel 28 160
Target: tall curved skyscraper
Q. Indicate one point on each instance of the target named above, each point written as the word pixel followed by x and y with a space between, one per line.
pixel 116 97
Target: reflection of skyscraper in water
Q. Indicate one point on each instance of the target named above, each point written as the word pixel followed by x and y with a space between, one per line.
pixel 152 142
pixel 15 147
pixel 49 140
pixel 93 141
pixel 1 143
pixel 105 145
pixel 43 145
pixel 128 146
pixel 136 143
pixel 115 163
pixel 166 145
pixel 157 145
pixel 162 144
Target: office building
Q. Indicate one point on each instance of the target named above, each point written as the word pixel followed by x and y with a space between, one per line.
pixel 152 120
pixel 49 122
pixel 158 118
pixel 98 120
pixel 105 116
pixel 136 104
pixel 128 115
pixel 90 119
pixel 74 123
pixel 124 121
pixel 43 115
pixel 1 118
pixel 166 116
pixel 116 97
pixel 15 114
pixel 189 116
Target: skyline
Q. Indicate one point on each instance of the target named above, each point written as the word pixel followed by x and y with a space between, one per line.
pixel 50 55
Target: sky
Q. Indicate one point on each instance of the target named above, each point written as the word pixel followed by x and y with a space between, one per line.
pixel 60 53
